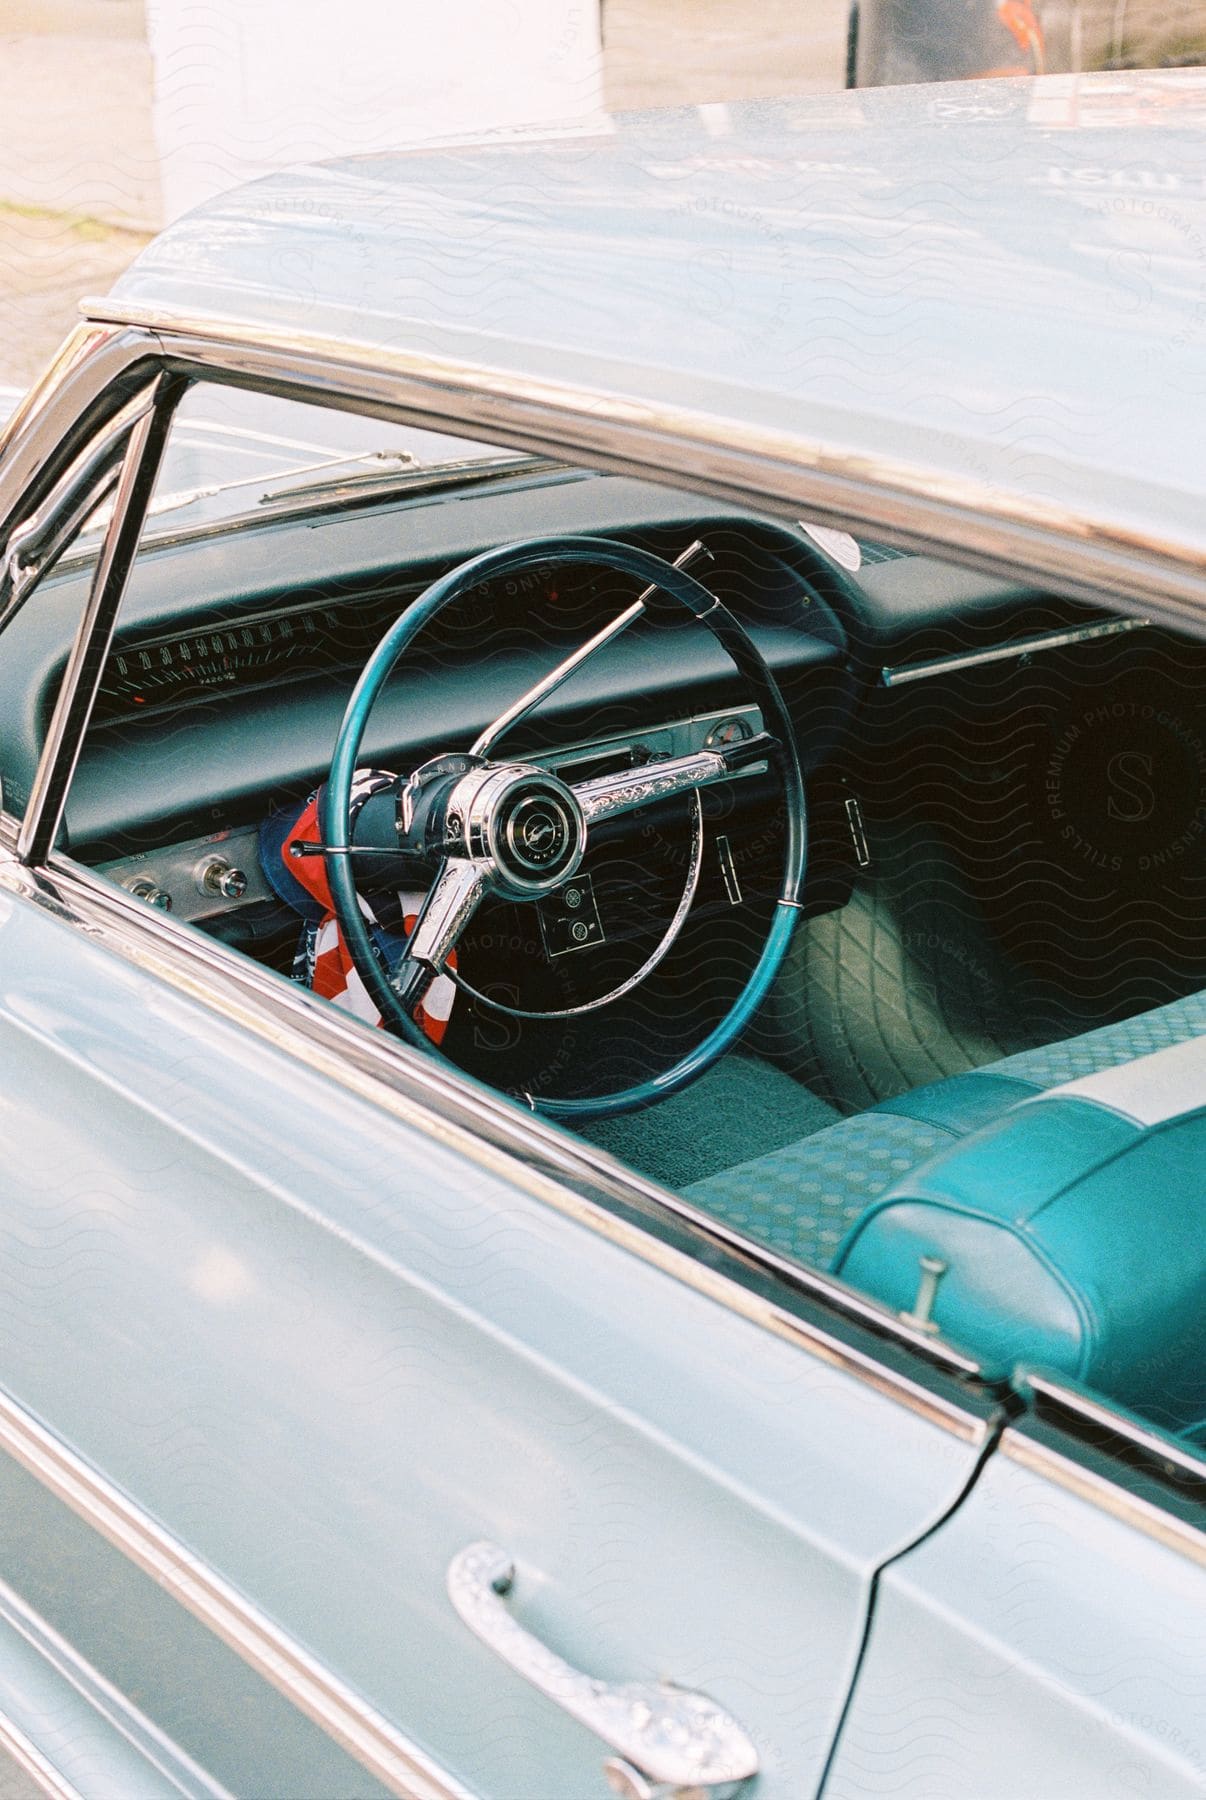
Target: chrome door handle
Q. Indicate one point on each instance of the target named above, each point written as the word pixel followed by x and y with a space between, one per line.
pixel 671 1744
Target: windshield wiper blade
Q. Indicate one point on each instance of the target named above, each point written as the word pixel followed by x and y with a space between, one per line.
pixel 361 488
pixel 470 471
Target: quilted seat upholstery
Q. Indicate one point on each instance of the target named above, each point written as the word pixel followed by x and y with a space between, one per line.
pixel 803 1199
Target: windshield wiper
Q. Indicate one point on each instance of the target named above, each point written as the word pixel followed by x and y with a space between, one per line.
pixel 401 473
pixel 426 478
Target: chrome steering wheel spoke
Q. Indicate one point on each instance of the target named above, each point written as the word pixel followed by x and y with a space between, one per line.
pixel 548 684
pixel 452 900
pixel 606 796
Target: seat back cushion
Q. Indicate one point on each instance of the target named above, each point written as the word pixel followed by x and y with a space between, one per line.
pixel 1074 1234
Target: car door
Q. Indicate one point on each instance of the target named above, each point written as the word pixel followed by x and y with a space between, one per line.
pixel 308 1320
pixel 1047 1640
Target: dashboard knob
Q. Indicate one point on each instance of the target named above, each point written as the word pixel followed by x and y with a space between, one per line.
pixel 143 887
pixel 218 877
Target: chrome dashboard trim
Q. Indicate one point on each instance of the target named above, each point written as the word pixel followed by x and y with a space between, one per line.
pixel 175 871
pixel 898 675
pixel 173 867
pixel 315 1690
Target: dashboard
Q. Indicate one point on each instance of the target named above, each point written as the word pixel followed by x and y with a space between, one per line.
pixel 238 648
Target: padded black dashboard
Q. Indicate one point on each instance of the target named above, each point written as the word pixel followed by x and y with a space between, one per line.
pixel 228 753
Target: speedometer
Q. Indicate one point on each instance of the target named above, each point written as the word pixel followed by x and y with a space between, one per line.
pixel 160 671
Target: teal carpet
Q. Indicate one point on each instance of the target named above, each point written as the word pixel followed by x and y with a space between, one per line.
pixel 742 1108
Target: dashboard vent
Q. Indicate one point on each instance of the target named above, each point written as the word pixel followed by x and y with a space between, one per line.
pixel 880 553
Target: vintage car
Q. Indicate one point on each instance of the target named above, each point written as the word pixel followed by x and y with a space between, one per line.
pixel 602 1034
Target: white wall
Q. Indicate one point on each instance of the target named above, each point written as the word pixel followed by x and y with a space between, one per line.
pixel 245 86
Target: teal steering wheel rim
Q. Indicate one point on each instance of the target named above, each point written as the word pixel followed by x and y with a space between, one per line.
pixel 335 802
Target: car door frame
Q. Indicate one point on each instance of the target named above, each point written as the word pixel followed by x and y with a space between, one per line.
pixel 102 370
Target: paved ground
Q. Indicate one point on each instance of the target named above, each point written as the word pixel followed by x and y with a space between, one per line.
pixel 663 52
pixel 79 189
pixel 78 171
pixel 78 175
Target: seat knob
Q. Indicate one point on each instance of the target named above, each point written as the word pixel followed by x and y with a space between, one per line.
pixel 921 1314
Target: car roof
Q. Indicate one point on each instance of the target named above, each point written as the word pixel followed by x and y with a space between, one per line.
pixel 1000 283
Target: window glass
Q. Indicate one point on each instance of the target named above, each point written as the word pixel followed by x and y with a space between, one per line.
pixel 1004 886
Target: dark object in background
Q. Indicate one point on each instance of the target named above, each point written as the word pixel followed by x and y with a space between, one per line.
pixel 891 42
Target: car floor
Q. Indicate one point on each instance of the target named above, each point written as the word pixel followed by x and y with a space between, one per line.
pixel 742 1108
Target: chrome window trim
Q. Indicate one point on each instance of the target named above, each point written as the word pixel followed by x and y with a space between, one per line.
pixel 1109 1494
pixel 729 460
pixel 96 373
pixel 1087 1410
pixel 737 464
pixel 36 546
pixel 308 1684
pixel 86 660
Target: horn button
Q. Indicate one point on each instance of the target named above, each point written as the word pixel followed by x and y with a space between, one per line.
pixel 523 821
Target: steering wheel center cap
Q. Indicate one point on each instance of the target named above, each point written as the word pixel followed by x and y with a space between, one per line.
pixel 538 830
pixel 525 822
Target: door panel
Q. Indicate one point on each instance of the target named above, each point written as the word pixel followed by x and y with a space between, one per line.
pixel 328 1350
pixel 1037 1644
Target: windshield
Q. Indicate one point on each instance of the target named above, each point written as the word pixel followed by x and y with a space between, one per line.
pixel 231 452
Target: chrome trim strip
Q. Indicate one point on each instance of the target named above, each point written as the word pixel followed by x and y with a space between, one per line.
pixel 315 1690
pixel 85 664
pixel 974 659
pixel 34 548
pixel 25 1753
pixel 579 1180
pixel 1099 1414
pixel 1087 1484
pixel 728 869
pixel 917 507
pixel 112 1708
pixel 858 832
pixel 97 371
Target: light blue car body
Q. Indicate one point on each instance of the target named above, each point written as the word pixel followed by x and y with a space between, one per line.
pixel 290 1317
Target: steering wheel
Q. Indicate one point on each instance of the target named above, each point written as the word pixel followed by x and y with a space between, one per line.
pixel 517 831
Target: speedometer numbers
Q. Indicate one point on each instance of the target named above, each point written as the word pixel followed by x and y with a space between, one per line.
pixel 177 668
